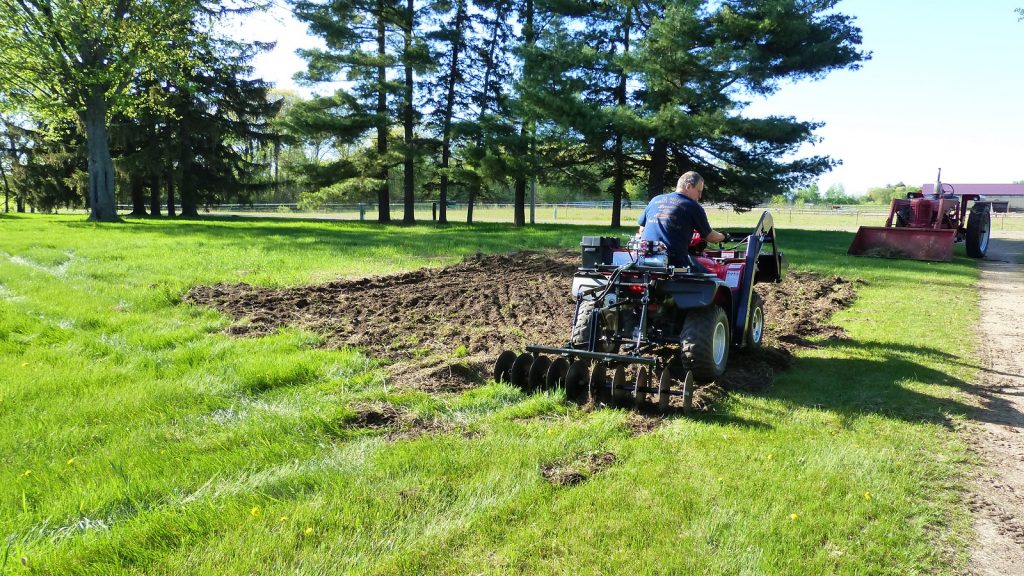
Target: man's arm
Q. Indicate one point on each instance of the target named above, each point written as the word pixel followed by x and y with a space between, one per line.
pixel 704 227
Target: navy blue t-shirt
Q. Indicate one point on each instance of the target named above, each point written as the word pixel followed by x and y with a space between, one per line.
pixel 671 218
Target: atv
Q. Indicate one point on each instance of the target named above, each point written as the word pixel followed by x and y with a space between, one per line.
pixel 633 309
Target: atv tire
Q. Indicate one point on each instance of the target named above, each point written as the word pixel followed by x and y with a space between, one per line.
pixel 755 329
pixel 581 329
pixel 979 230
pixel 705 343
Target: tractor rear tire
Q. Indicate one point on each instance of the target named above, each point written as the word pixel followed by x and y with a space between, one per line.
pixel 581 329
pixel 979 230
pixel 705 343
pixel 755 330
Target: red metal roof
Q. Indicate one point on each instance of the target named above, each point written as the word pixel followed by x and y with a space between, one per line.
pixel 983 189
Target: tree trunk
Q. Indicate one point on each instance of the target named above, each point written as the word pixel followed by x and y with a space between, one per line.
pixel 170 195
pixel 619 176
pixel 186 157
pixel 618 183
pixel 408 119
pixel 526 133
pixel 519 219
pixel 383 192
pixel 138 195
pixel 102 203
pixel 189 207
pixel 154 194
pixel 659 163
pixel 7 189
pixel 489 62
pixel 449 107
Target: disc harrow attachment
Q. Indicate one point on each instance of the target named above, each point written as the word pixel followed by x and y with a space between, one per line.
pixel 600 378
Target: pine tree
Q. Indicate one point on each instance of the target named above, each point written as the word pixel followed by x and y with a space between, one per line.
pixel 661 86
pixel 451 40
pixel 349 27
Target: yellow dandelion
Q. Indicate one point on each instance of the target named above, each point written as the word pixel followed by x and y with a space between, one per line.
pixel 792 516
pixel 27 473
pixel 721 479
pixel 71 461
pixel 255 512
pixel 24 364
pixel 282 519
pixel 309 531
pixel 769 456
pixel 867 495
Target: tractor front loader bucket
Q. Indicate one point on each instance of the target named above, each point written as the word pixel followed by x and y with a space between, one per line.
pixel 926 244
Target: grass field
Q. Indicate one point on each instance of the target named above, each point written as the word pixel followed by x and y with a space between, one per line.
pixel 849 218
pixel 136 437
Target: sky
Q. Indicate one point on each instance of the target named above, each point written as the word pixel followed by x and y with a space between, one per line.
pixel 944 88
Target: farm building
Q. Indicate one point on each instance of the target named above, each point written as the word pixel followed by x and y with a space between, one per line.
pixel 1011 194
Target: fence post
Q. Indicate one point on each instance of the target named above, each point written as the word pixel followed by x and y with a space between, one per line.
pixel 433 211
pixel 362 211
pixel 555 215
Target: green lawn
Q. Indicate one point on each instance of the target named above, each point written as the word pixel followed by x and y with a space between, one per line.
pixel 135 437
pixel 848 218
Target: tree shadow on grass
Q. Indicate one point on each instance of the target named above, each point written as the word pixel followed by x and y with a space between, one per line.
pixel 879 385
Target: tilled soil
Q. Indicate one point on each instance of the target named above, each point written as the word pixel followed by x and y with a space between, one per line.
pixel 442 328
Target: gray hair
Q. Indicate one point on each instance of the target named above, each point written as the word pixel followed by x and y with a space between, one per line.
pixel 691 178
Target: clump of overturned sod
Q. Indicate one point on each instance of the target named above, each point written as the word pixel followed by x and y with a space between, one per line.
pixel 578 469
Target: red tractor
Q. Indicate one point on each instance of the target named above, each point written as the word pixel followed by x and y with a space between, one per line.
pixel 925 228
pixel 633 309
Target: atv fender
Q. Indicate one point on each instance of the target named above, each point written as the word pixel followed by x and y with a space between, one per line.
pixel 698 294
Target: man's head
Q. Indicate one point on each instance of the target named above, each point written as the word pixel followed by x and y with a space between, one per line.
pixel 690 185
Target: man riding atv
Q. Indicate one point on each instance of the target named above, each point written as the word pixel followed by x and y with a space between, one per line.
pixel 670 219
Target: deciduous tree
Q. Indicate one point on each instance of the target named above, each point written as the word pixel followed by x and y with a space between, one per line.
pixel 76 60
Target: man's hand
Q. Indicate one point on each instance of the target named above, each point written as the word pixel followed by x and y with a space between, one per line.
pixel 715 237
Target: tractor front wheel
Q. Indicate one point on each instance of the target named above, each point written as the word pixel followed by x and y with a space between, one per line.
pixel 705 343
pixel 979 230
pixel 755 330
